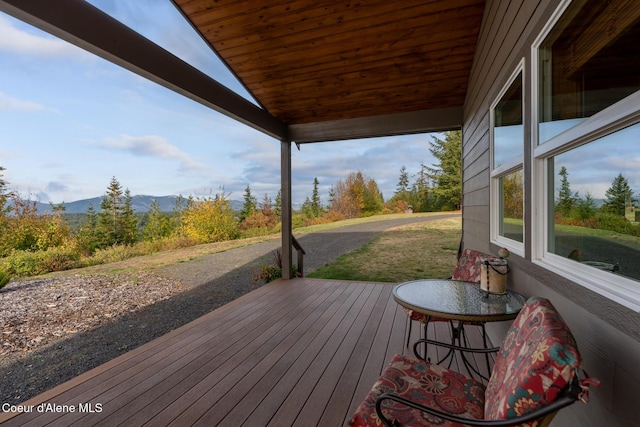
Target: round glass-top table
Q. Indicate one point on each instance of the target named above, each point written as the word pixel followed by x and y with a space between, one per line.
pixel 457 300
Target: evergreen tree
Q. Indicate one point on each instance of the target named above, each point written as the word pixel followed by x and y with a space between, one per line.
pixel 249 206
pixel 176 216
pixel 332 195
pixel 421 190
pixel 587 207
pixel 316 204
pixel 3 183
pixel 307 209
pixel 373 201
pixel 110 229
pixel 566 200
pixel 92 217
pixel 446 175
pixel 89 237
pixel 403 182
pixel 4 195
pixel 129 220
pixel 619 196
pixel 159 226
pixel 277 208
pixel 403 196
pixel 266 205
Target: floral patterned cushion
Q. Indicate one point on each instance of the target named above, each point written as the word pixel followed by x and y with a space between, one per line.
pixel 424 383
pixel 468 268
pixel 418 317
pixel 538 358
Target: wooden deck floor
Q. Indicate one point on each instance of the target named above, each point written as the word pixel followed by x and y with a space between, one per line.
pixel 302 352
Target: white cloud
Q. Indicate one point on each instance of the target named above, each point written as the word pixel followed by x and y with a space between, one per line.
pixel 624 164
pixel 8 103
pixel 15 40
pixel 57 187
pixel 152 146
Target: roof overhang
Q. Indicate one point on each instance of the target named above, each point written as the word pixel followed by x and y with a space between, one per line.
pixel 321 72
pixel 422 121
pixel 84 25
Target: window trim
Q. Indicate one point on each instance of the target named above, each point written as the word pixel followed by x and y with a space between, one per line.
pixel 501 171
pixel 626 112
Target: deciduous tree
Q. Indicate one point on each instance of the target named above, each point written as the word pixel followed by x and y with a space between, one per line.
pixel 357 195
pixel 210 219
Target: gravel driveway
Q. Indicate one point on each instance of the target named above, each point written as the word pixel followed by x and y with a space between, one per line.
pixel 206 283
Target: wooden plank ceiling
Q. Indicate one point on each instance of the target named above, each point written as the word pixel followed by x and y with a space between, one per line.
pixel 309 61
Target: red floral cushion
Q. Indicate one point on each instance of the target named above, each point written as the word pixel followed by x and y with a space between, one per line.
pixel 413 315
pixel 424 383
pixel 468 268
pixel 537 359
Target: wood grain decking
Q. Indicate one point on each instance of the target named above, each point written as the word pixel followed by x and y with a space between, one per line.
pixel 302 352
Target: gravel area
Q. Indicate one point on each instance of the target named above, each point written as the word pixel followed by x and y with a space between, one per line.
pixel 56 328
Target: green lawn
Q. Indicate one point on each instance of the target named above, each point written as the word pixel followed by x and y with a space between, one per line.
pixel 418 251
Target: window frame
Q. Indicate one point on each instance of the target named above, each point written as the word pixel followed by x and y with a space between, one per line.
pixel 513 165
pixel 622 114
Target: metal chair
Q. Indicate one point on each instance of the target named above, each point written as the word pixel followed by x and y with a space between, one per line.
pixel 537 372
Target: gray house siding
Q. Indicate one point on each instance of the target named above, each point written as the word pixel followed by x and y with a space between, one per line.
pixel 608 334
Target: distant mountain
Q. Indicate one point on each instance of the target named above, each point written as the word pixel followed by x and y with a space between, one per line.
pixel 140 204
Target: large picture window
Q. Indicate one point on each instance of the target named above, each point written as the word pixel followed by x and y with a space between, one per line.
pixel 588 151
pixel 507 170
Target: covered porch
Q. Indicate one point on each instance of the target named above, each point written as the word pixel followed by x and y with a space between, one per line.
pixel 293 352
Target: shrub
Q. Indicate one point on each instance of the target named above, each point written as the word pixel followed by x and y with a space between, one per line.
pixel 176 243
pixel 617 223
pixel 26 230
pixel 273 271
pixel 59 259
pixel 297 221
pixel 4 279
pixel 210 220
pixel 34 263
pixel 24 263
pixel 333 216
pixel 269 273
pixel 259 220
pixel 116 253
pixel 257 232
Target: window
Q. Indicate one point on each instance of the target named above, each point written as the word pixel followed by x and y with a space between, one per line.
pixel 507 172
pixel 587 178
pixel 586 63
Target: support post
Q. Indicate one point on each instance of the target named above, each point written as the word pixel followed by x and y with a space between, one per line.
pixel 285 185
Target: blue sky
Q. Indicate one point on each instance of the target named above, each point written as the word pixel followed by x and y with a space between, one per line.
pixel 70 121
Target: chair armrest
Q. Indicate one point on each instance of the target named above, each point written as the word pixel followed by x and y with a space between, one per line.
pixel 551 408
pixel 479 350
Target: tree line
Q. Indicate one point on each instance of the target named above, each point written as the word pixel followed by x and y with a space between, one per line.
pixel 32 243
pixel 572 209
